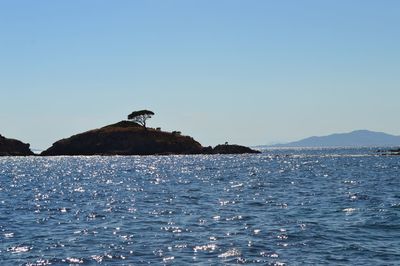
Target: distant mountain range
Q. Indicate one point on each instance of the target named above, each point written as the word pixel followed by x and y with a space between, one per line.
pixel 358 138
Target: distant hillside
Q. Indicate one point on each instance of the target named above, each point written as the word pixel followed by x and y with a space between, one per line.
pixel 358 138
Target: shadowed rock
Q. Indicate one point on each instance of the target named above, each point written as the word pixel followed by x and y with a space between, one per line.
pixel 130 138
pixel 393 152
pixel 232 149
pixel 13 147
pixel 125 138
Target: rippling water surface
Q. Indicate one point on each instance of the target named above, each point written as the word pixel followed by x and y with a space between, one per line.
pixel 282 207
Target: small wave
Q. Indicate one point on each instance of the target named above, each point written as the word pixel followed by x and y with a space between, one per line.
pixel 19 249
pixel 168 259
pixel 73 260
pixel 349 210
pixel 208 247
pixel 40 262
pixel 9 235
pixel 230 253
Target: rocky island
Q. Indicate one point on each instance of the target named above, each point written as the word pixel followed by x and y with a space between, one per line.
pixel 134 138
pixel 13 147
pixel 395 152
pixel 389 152
pixel 232 149
pixel 125 138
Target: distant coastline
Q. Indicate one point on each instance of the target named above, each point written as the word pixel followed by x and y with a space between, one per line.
pixel 358 138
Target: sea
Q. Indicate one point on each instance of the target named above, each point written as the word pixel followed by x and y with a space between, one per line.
pixel 280 207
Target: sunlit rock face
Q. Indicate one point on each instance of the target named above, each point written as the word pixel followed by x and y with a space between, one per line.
pixel 12 147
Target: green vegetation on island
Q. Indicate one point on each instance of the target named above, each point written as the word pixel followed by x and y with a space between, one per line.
pixel 140 117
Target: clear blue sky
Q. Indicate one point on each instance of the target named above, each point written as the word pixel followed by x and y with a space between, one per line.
pixel 249 72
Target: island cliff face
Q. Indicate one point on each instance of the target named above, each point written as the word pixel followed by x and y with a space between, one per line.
pixel 12 147
pixel 125 138
pixel 130 138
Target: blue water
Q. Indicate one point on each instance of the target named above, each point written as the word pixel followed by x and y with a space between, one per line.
pixel 282 207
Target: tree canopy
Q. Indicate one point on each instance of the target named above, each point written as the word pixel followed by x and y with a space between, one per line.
pixel 140 117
